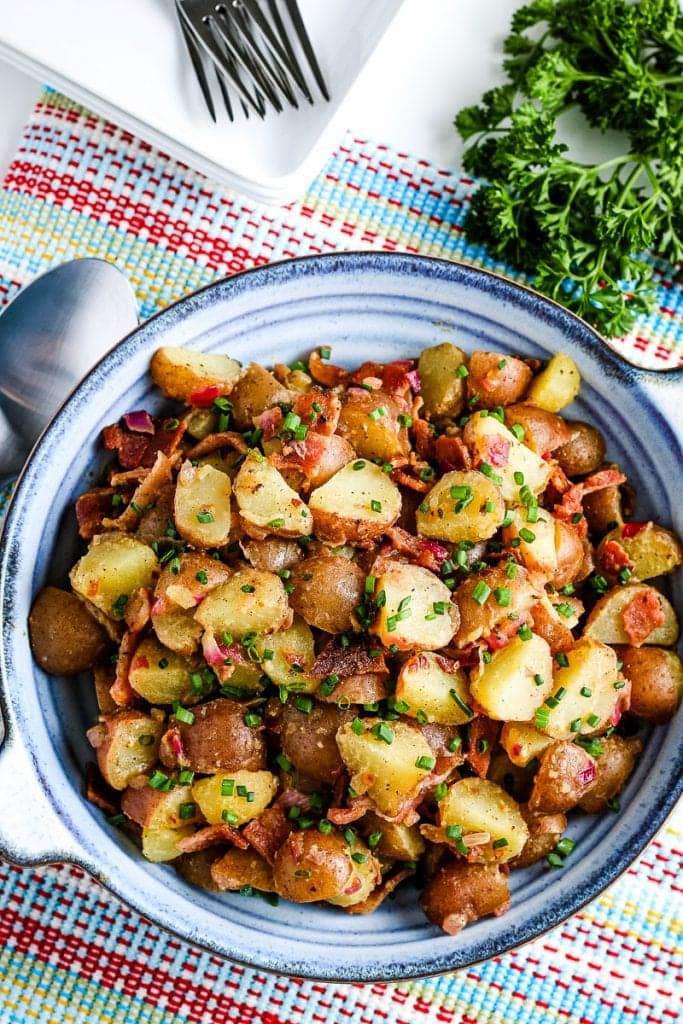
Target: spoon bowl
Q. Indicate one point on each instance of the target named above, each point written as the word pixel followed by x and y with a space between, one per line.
pixel 51 334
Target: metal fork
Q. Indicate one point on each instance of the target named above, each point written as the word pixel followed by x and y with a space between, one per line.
pixel 248 45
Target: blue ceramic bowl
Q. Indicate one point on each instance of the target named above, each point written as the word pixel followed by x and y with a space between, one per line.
pixel 368 305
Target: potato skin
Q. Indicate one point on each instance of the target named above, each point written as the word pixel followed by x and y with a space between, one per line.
pixel 372 438
pixel 497 379
pixel 656 678
pixel 196 867
pixel 544 431
pixel 218 739
pixel 604 509
pixel 544 833
pixel 460 892
pixel 614 766
pixel 65 638
pixel 120 754
pixel 584 452
pixel 310 866
pixel 309 741
pixel 255 391
pixel 442 390
pixel 327 600
pixel 566 773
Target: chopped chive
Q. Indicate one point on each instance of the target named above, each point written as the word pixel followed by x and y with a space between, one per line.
pixel 518 430
pixel 562 659
pixel 146 740
pixel 252 720
pixel 186 777
pixel 542 718
pixel 360 858
pixel 359 464
pixel 575 725
pixel 187 811
pixel 383 732
pixel 524 633
pixel 325 352
pixel 498 844
pixel 461 371
pixel 405 420
pixel 205 517
pixel 488 471
pixel 586 691
pixel 373 839
pixel 454 744
pixel 276 523
pixel 182 714
pixel 426 474
pixel 527 536
pixel 304 704
pixel 248 588
pixel 614 805
pixel 503 596
pixel 375 505
pixel 538 680
pixel 565 847
pixel 481 592
pixel 593 720
pixel 229 817
pixel 324 826
pixel 425 762
pixel 555 860
pixel 465 708
pixel 454 831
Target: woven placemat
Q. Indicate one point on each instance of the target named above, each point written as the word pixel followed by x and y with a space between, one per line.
pixel 69 952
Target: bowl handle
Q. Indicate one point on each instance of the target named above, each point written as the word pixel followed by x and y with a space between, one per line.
pixel 31 831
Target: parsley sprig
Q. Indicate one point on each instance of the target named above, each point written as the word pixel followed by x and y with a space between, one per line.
pixel 578 228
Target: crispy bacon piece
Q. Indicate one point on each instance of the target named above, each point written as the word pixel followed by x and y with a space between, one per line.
pixel 270 422
pixel 483 736
pixel 357 807
pixel 572 500
pixel 424 440
pixel 633 529
pixel 613 558
pixel 413 482
pixel 92 508
pixel 426 553
pixel 378 896
pixel 267 833
pixel 326 373
pixel 452 453
pixel 318 410
pixel 171 752
pixel 304 456
pixel 641 615
pixel 346 661
pixel 158 477
pixel 122 693
pixel 135 449
pixel 211 835
pixel 138 609
pixel 212 442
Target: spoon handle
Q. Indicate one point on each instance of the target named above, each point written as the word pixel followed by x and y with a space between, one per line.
pixel 12 450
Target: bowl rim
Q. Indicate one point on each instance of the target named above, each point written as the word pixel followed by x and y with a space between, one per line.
pixel 564 321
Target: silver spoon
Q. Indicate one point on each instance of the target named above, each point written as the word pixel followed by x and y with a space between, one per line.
pixel 51 334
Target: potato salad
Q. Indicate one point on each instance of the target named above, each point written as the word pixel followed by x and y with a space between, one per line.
pixel 351 629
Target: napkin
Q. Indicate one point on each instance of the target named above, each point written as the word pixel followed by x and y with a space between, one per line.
pixel 69 951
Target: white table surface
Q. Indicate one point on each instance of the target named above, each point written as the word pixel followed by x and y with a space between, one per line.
pixel 437 55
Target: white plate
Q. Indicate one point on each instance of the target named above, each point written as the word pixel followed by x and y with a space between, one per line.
pixel 127 60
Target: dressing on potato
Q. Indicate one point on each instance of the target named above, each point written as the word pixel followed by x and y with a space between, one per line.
pixel 357 625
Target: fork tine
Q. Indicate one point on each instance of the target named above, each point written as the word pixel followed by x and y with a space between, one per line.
pixel 283 58
pixel 300 29
pixel 202 34
pixel 292 62
pixel 269 60
pixel 196 59
pixel 225 94
pixel 241 44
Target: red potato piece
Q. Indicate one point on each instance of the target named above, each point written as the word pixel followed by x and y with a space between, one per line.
pixel 656 679
pixel 545 831
pixel 566 773
pixel 309 741
pixel 238 868
pixel 497 379
pixel 614 768
pixel 126 745
pixel 65 638
pixel 460 893
pixel 544 431
pixel 219 740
